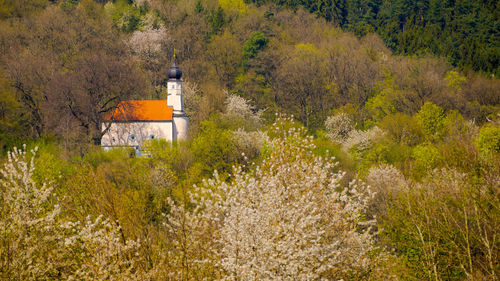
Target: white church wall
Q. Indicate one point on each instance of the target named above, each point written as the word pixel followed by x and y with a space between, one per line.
pixel 181 127
pixel 134 133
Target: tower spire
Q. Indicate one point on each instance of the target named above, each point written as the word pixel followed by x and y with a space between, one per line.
pixel 174 73
pixel 174 100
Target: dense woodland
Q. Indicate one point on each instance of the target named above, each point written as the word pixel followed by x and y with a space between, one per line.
pixel 329 140
pixel 466 32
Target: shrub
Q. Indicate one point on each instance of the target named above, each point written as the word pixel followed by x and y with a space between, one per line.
pixel 36 243
pixel 431 119
pixel 446 227
pixel 338 127
pixel 288 219
pixel 488 139
pixel 426 156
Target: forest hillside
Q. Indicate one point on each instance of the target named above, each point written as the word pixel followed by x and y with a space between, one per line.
pixel 466 32
pixel 328 140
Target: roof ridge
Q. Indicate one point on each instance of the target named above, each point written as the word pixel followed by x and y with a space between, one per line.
pixel 141 110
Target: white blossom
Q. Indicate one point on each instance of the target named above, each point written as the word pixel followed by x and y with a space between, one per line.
pixel 28 230
pixel 240 107
pixel 142 2
pixel 191 97
pixel 386 181
pixel 338 127
pixel 188 253
pixel 362 140
pixel 37 244
pixel 249 143
pixel 288 219
pixel 148 43
pixel 103 253
pixel 386 178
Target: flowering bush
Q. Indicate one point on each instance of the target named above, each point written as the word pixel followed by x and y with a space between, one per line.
pixel 148 43
pixel 362 140
pixel 238 107
pixel 288 219
pixel 338 127
pixel 29 234
pixel 36 243
pixel 386 181
pixel 249 143
pixel 386 178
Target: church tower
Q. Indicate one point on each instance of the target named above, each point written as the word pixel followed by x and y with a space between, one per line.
pixel 174 99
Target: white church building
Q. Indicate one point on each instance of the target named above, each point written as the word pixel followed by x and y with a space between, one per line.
pixel 134 121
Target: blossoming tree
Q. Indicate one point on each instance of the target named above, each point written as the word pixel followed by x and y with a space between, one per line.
pixel 290 218
pixel 37 243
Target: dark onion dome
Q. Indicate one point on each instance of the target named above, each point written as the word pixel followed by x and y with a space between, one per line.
pixel 174 73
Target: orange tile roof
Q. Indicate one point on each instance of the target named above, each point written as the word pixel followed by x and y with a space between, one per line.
pixel 141 110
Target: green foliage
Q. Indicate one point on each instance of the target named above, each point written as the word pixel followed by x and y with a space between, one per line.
pixel 454 123
pixel 12 121
pixel 488 139
pixel 380 106
pixel 6 9
pixel 382 151
pixel 20 8
pixel 303 87
pixel 440 227
pixel 253 45
pixel 126 17
pixel 216 19
pixel 408 246
pixel 255 87
pixel 361 28
pixel 290 62
pixel 198 8
pixel 177 156
pixel 69 5
pixel 427 157
pixel 387 152
pixel 49 165
pixel 213 148
pixel 402 128
pixel 383 102
pixel 99 157
pixel 233 5
pixel 431 119
pixel 224 52
pixel 326 148
pixel 354 113
pixel 307 49
pixel 454 80
pixel 462 31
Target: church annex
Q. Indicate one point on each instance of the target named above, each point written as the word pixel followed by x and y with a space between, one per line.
pixel 134 121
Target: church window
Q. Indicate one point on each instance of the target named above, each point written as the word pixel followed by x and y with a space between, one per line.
pixel 131 137
pixel 151 137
